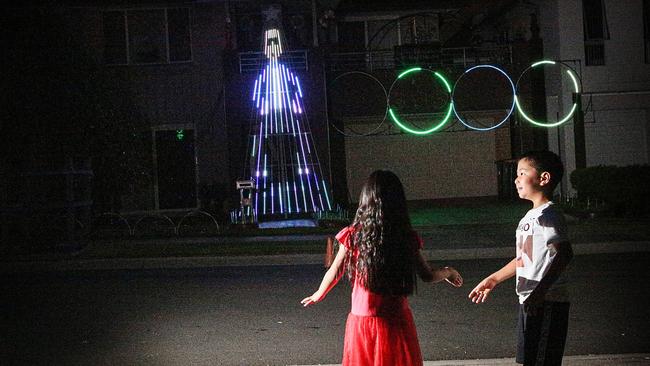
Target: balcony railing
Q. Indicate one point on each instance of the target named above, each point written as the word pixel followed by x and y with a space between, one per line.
pixel 254 61
pixel 365 60
pixel 398 57
pixel 405 56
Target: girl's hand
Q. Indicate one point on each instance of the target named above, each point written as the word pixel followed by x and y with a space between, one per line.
pixel 311 300
pixel 454 277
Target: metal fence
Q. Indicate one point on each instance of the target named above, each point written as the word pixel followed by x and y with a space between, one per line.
pixel 254 61
pixel 195 222
pixel 46 204
pixel 388 59
pixel 405 56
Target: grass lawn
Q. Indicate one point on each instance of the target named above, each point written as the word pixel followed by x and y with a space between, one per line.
pixel 487 213
pixel 489 224
pixel 603 229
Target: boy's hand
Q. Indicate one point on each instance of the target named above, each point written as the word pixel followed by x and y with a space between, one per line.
pixel 480 293
pixel 454 278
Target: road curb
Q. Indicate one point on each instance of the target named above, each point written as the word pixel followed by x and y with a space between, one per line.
pixel 509 252
pixel 161 263
pixel 289 259
pixel 581 360
pixel 595 360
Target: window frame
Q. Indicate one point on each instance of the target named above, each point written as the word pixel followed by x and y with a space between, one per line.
pixel 400 33
pixel 646 30
pixel 166 38
pixel 594 45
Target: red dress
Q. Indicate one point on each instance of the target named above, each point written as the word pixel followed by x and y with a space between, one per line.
pixel 380 330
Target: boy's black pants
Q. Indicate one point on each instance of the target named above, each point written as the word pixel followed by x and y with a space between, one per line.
pixel 541 338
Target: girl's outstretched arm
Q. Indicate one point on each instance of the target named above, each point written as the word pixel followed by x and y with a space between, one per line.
pixel 427 274
pixel 423 268
pixel 331 278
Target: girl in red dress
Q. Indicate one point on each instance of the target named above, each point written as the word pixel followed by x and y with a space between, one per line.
pixel 381 255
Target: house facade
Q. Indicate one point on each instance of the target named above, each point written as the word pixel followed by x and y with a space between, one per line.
pixel 144 82
pixel 158 93
pixel 608 42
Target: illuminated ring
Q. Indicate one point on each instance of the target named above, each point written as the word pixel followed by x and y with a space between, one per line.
pixel 376 129
pixel 436 127
pixel 574 78
pixel 512 107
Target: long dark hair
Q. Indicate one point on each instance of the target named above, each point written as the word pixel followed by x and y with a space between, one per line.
pixel 383 238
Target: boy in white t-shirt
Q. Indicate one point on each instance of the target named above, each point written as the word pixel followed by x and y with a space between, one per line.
pixel 543 253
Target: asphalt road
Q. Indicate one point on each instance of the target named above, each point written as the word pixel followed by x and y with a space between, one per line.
pixel 252 315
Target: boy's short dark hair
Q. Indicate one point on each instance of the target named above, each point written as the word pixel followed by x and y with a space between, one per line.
pixel 546 161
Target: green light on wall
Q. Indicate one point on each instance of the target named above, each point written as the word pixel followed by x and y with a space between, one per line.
pixel 180 135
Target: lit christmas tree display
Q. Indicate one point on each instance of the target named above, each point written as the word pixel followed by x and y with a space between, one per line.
pixel 282 158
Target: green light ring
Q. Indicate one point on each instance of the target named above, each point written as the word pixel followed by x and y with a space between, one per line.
pixel 408 72
pixel 574 79
pixel 437 126
pixel 421 132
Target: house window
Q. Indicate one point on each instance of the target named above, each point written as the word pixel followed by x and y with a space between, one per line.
pixel 382 35
pixel 386 33
pixel 596 31
pixel 419 29
pixel 147 36
pixel 178 30
pixel 351 35
pixel 646 29
pixel 114 37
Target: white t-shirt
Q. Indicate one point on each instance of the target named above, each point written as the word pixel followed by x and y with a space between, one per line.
pixel 537 230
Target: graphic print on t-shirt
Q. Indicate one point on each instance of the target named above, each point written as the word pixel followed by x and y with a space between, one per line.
pixel 524 258
pixel 524 247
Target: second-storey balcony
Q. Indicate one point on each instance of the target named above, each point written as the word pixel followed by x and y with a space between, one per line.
pixel 398 57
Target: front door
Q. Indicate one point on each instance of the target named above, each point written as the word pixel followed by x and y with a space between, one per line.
pixel 176 169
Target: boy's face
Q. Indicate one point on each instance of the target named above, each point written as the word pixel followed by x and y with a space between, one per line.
pixel 529 182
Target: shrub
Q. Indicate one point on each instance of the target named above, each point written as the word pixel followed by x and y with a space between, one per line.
pixel 624 190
